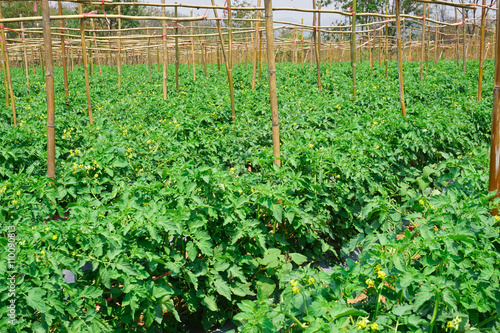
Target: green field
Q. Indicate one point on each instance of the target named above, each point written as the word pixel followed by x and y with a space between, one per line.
pixel 186 219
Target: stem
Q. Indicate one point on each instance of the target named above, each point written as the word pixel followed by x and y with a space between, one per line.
pixel 434 314
pixel 291 316
pixel 488 320
pixel 396 328
pixel 379 294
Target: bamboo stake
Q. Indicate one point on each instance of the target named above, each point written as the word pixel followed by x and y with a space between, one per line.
pixel 370 50
pixel 165 55
pixel 6 82
pixel 226 59
pixel 119 55
pixel 218 57
pixel 458 37
pixel 63 55
pixel 96 47
pixel 400 59
pixel 386 44
pixel 85 64
pixel 176 39
pixel 481 53
pixel 49 85
pixel 272 80
pixel 148 57
pixel 353 49
pixel 317 41
pixel 295 46
pixel 7 71
pixel 410 40
pixel 302 44
pixel 260 54
pixel 255 46
pixel 41 59
pixel 192 50
pixel 436 42
pixel 25 56
pixel 494 177
pixel 428 48
pixel 33 60
pixel 464 51
pixel 423 45
pixel 380 47
pixel 203 57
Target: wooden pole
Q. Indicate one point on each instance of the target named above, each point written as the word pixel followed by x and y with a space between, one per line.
pixel 317 41
pixel 255 46
pixel 176 39
pixel 49 85
pixel 481 53
pixel 85 64
pixel 7 70
pixel 226 58
pixel 272 80
pixel 192 50
pixel 400 58
pixel 422 53
pixel 25 56
pixel 353 48
pixel 165 55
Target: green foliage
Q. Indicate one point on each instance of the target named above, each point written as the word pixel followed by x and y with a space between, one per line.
pixel 183 215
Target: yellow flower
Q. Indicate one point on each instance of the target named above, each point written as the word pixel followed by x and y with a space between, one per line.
pixel 54 237
pixel 497 218
pixel 240 191
pixel 378 268
pixel 14 202
pixel 362 322
pixel 177 125
pixel 377 147
pixel 338 176
pixel 73 253
pixel 369 282
pixel 311 280
pixel 375 123
pixel 231 170
pixel 449 324
pixel 374 326
pixel 310 146
pixel 381 275
pixel 295 290
pixel 18 192
pixel 42 253
pixel 421 201
pixel 293 283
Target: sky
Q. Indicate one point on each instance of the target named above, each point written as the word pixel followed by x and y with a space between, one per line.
pixel 289 16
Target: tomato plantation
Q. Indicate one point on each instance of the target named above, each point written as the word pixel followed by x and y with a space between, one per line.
pixel 173 207
pixel 183 215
